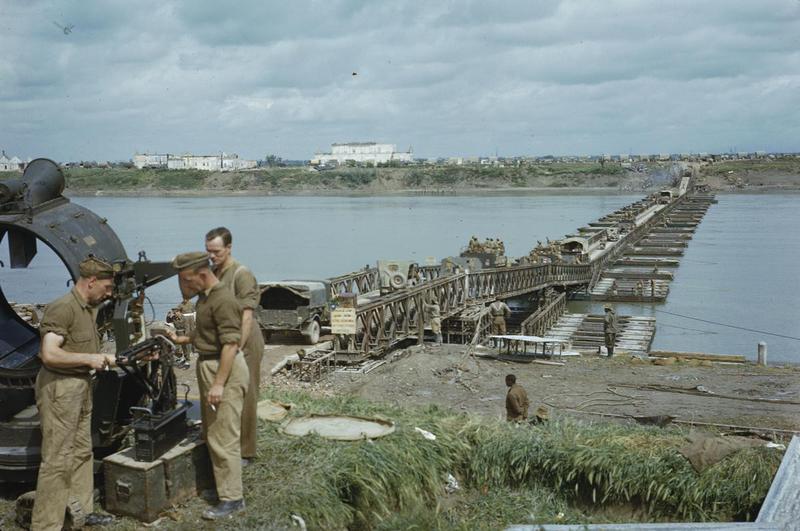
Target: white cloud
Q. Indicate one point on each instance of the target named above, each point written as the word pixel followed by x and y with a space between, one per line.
pixel 455 77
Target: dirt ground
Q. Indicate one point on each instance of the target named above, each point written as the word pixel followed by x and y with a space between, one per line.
pixel 453 377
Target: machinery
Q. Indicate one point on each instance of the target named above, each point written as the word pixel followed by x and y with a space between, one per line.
pixel 33 211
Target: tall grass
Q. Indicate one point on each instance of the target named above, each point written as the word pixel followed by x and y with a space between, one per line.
pixel 578 469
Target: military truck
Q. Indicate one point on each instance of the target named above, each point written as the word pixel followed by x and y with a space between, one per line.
pixel 299 306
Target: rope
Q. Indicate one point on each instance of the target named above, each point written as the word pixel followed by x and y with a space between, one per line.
pixel 729 325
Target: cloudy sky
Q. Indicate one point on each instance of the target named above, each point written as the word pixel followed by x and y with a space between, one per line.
pixel 446 77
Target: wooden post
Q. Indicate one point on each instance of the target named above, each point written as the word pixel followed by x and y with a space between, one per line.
pixel 762 353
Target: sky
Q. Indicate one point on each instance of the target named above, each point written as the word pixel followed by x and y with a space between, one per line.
pixel 103 79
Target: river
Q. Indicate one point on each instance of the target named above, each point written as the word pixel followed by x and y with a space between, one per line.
pixel 740 268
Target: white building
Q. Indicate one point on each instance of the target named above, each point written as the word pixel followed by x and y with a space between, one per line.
pixel 221 162
pixel 364 152
pixel 146 160
pixel 11 164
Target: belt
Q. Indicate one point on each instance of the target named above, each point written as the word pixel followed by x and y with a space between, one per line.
pixel 204 356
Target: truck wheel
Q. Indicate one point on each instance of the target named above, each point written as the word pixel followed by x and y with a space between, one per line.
pixel 311 333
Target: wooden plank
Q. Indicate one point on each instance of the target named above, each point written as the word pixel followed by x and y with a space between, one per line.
pixel 731 358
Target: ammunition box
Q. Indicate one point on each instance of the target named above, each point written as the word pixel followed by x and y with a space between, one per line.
pixel 144 490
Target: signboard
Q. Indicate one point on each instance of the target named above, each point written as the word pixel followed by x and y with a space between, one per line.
pixel 343 321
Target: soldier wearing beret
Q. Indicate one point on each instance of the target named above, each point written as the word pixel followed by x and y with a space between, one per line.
pixel 241 282
pixel 69 351
pixel 222 375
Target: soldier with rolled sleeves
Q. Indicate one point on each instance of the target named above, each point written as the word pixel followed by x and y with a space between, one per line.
pixel 222 375
pixel 241 282
pixel 69 350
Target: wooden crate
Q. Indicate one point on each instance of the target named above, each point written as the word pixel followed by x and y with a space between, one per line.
pixel 144 490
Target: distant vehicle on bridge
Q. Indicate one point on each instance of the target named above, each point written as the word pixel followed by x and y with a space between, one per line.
pixel 295 306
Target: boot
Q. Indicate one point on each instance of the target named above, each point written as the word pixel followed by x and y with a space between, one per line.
pixel 223 509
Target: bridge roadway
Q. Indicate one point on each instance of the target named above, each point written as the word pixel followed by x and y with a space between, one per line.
pixel 387 320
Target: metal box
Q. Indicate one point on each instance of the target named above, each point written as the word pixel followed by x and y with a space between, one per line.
pixel 144 490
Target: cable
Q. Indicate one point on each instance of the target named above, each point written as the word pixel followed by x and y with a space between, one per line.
pixel 728 325
pixel 691 329
pixel 153 309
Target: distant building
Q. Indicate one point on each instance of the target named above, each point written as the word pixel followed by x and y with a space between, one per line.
pixel 12 163
pixel 364 152
pixel 145 160
pixel 221 162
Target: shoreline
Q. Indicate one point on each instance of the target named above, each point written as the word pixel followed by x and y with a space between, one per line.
pixel 464 192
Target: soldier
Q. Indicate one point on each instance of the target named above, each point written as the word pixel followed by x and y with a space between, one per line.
pixel 241 282
pixel 516 401
pixel 614 288
pixel 652 287
pixel 222 375
pixel 70 346
pixel 639 288
pixel 499 311
pixel 501 247
pixel 433 312
pixel 610 329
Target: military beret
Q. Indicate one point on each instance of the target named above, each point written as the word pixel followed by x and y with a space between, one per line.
pixel 607 307
pixel 91 266
pixel 187 260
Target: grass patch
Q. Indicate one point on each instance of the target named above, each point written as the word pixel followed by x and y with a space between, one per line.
pixel 565 472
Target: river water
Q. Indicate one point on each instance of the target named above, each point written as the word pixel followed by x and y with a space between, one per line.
pixel 740 269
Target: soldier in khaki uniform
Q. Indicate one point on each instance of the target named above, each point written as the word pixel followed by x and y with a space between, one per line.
pixel 241 282
pixel 610 329
pixel 70 346
pixel 516 401
pixel 499 311
pixel 434 313
pixel 222 375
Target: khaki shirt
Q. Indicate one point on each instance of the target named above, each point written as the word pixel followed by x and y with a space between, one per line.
pixel 432 310
pixel 499 309
pixel 72 318
pixel 218 320
pixel 516 403
pixel 610 323
pixel 241 282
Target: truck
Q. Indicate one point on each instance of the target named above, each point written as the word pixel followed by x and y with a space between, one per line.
pixel 295 306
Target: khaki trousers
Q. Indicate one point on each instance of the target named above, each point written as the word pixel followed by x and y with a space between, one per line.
pixel 222 428
pixel 498 326
pixel 253 353
pixel 65 413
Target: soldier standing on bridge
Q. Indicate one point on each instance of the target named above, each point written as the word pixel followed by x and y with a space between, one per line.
pixel 499 311
pixel 238 279
pixel 434 314
pixel 610 329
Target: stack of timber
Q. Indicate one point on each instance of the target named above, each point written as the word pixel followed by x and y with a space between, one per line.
pixel 585 332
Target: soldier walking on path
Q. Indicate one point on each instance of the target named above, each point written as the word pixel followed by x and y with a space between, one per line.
pixel 516 401
pixel 610 329
pixel 241 282
pixel 222 375
pixel 70 346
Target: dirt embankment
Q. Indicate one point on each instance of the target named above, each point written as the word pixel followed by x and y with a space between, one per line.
pixel 552 178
